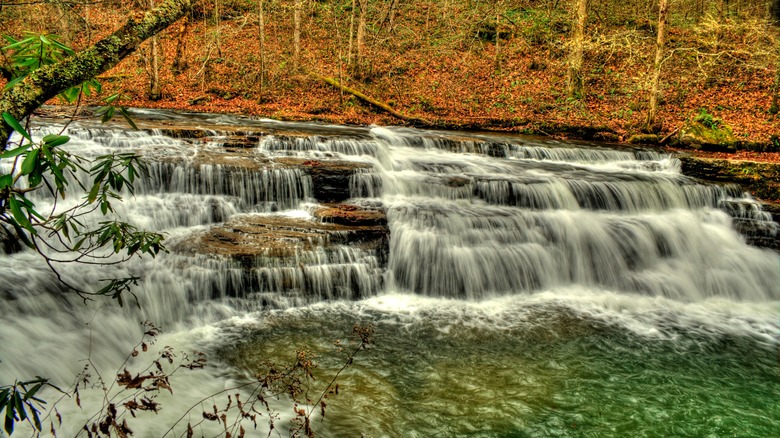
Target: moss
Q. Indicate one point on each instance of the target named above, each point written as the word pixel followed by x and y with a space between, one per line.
pixel 644 139
pixel 697 135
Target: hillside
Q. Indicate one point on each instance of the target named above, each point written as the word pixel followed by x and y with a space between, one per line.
pixel 460 63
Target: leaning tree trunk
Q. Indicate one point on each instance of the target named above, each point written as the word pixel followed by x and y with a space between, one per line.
pixel 574 82
pixel 663 9
pixel 46 82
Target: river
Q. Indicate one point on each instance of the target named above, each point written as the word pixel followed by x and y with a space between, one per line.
pixel 529 287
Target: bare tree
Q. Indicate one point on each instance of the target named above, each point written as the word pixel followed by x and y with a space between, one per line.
pixel 261 39
pixel 351 32
pixel 574 81
pixel 297 10
pixel 361 31
pixel 155 90
pixel 663 10
pixel 179 60
pixel 774 16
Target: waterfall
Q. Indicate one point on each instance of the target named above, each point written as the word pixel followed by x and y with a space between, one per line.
pixel 471 218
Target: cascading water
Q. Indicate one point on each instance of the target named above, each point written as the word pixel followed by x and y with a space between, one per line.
pixel 528 288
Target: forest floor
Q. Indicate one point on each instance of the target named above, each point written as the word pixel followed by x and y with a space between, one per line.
pixel 431 67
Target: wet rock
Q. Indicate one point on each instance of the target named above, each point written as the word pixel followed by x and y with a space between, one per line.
pixel 759 226
pixel 287 260
pixel 250 238
pixel 330 178
pixel 351 215
pixel 761 179
pixel 9 242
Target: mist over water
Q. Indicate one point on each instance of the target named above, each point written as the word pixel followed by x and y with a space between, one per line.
pixel 532 287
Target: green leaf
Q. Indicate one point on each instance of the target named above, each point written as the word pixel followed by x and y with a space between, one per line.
pixel 71 94
pixel 111 98
pixel 123 111
pixel 4 398
pixel 16 44
pixel 14 124
pixel 36 419
pixel 34 179
pixel 15 151
pixel 19 216
pixel 53 140
pixel 93 193
pixel 31 393
pixel 14 81
pixel 78 244
pixel 9 422
pixel 8 38
pixel 28 165
pixel 6 181
pixel 19 406
pixel 108 115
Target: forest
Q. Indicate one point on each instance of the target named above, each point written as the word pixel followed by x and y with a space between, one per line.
pixel 603 70
pixel 430 218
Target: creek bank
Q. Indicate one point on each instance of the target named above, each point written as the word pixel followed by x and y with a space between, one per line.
pixel 706 134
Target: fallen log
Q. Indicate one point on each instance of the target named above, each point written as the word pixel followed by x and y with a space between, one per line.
pixel 370 100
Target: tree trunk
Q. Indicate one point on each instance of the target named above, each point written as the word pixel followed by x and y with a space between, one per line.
pixel 180 63
pixel 775 107
pixel 46 82
pixel 217 27
pixel 297 34
pixel 261 38
pixel 574 82
pixel 351 33
pixel 663 9
pixel 361 31
pixel 370 100
pixel 393 10
pixel 155 91
pixel 497 58
pixel 774 18
pixel 388 15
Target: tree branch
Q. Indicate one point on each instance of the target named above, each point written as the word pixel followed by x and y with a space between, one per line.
pixel 49 81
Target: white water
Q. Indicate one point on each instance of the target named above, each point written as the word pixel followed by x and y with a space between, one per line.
pixel 482 229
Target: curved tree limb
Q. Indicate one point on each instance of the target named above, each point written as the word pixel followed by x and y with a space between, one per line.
pixel 370 100
pixel 49 81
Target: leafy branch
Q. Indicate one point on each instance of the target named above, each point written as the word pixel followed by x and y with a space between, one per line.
pixel 61 236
